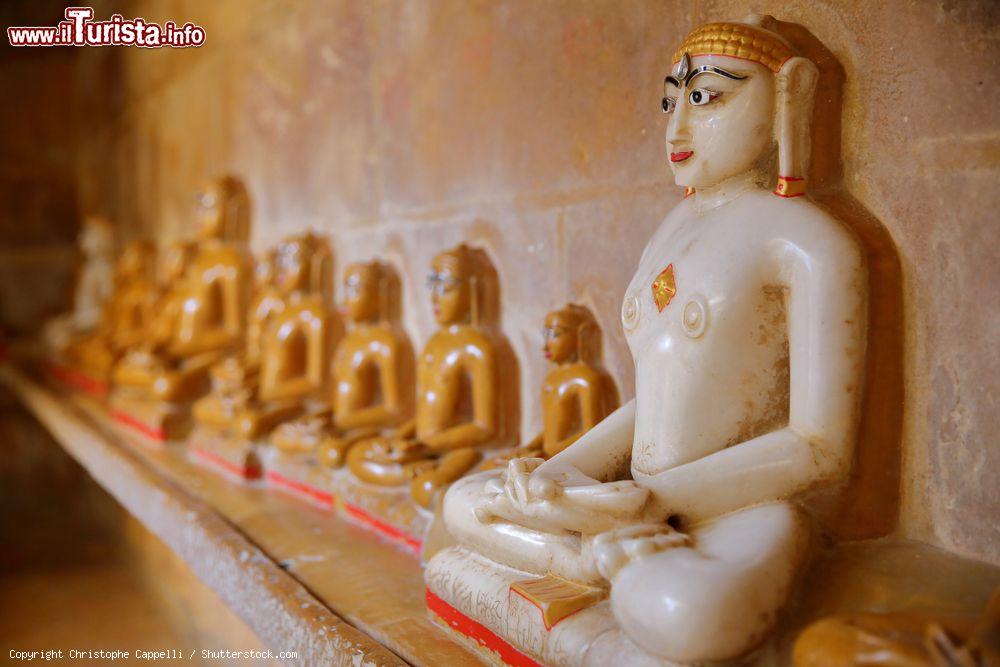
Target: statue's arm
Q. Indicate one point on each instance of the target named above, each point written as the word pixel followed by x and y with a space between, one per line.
pixel 603 452
pixel 826 315
pixel 237 301
pixel 590 412
pixel 483 425
pixel 388 410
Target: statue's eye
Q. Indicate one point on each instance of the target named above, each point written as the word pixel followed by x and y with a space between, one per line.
pixel 668 104
pixel 700 96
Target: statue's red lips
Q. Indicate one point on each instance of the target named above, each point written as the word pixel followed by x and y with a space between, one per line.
pixel 681 156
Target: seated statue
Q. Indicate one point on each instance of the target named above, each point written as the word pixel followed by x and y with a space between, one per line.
pixel 904 639
pixel 371 385
pixel 458 412
pixel 576 394
pixel 158 333
pixel 676 527
pixel 160 386
pixel 125 318
pixel 295 344
pixel 94 285
pixel 238 374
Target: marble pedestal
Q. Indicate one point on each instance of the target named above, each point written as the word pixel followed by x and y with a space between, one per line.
pixel 156 420
pixel 386 510
pixel 299 474
pixel 471 597
pixel 227 453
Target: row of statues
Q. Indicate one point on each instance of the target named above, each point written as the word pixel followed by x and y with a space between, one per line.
pixel 254 366
pixel 672 529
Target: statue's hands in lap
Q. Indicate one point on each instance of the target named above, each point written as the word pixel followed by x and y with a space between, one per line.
pixel 560 498
pixel 615 549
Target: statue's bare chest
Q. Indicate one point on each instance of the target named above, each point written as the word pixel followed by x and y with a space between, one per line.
pixel 695 277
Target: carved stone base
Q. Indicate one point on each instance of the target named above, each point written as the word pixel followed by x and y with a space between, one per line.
pixel 388 511
pixel 76 380
pixel 227 454
pixel 472 596
pixel 300 475
pixel 153 419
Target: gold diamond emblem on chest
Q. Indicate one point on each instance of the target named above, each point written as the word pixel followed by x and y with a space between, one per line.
pixel 664 288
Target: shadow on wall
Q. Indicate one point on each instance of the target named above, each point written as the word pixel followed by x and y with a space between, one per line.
pixel 871 503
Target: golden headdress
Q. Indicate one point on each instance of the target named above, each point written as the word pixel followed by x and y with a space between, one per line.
pixel 737 40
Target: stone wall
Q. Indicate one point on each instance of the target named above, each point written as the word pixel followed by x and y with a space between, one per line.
pixel 533 129
pixel 38 213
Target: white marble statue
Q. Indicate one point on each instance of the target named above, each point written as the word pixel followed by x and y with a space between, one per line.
pixel 93 285
pixel 688 508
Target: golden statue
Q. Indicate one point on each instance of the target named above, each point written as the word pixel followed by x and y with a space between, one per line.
pixel 124 321
pixel 458 413
pixel 577 393
pixel 284 365
pixel 371 387
pixel 157 388
pixel 902 640
pixel 173 263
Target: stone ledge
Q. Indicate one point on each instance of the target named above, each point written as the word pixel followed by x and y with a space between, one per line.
pixel 299 577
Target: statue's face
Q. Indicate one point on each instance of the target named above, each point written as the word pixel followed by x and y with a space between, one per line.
pixel 560 336
pixel 720 114
pixel 361 297
pixel 96 238
pixel 210 219
pixel 450 292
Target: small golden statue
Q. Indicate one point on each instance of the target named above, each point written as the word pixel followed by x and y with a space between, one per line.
pixel 173 263
pixel 285 364
pixel 89 358
pixel 394 478
pixel 902 640
pixel 156 389
pixel 371 388
pixel 577 393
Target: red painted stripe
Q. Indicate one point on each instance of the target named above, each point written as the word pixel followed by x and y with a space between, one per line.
pixel 78 380
pixel 387 529
pixel 459 622
pixel 246 472
pixel 137 424
pixel 324 498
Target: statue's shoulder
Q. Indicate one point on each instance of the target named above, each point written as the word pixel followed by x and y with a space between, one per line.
pixel 802 222
pixel 354 339
pixel 382 334
pixel 674 217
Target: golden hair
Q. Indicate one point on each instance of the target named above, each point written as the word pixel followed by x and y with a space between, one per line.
pixel 737 40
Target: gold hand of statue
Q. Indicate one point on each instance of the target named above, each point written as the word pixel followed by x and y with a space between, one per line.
pixel 334 448
pixel 390 462
pixel 447 469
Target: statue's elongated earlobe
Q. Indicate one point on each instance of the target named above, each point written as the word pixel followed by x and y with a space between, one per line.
pixel 796 86
pixel 474 299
